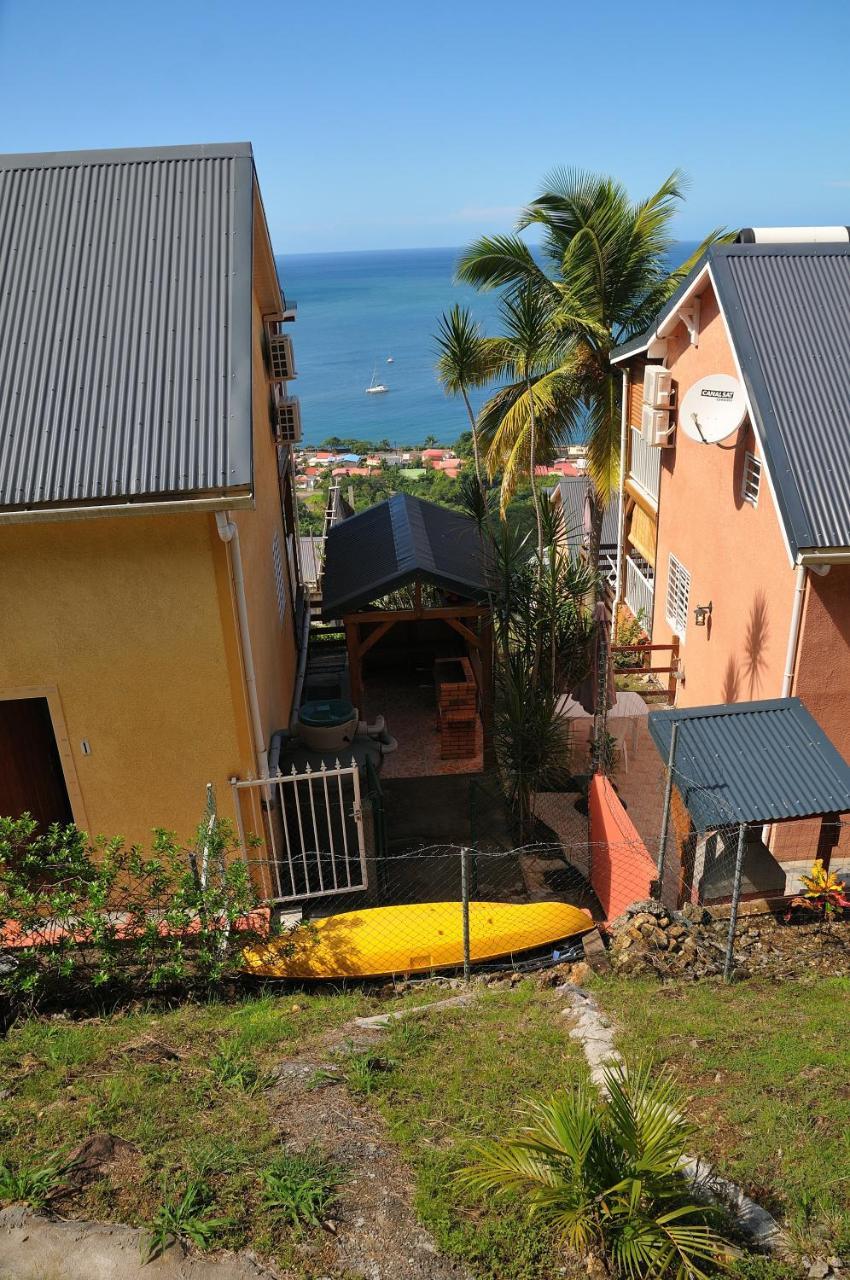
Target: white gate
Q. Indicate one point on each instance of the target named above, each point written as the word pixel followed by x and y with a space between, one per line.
pixel 312 826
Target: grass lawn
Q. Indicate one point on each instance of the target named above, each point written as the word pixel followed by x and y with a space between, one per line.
pixel 460 1076
pixel 768 1071
pixel 202 1115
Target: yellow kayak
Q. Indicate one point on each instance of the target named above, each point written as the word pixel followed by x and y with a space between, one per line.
pixel 413 939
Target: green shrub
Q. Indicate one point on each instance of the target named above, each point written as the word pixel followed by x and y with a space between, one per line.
pixel 81 917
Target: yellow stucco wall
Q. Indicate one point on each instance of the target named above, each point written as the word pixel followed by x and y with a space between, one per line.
pixel 124 618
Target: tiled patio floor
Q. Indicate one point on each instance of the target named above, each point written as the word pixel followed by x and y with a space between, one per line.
pixel 411 717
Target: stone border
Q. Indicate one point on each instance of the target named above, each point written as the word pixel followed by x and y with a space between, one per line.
pixel 594 1030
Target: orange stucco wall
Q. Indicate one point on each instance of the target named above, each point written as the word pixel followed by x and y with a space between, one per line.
pixel 621 869
pixel 734 552
pixel 822 677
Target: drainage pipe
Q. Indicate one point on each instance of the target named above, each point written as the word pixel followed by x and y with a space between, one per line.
pixel 794 633
pixel 624 420
pixel 302 663
pixel 229 534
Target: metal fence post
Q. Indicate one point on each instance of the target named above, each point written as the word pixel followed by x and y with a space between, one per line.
pixel 736 897
pixel 665 813
pixel 464 893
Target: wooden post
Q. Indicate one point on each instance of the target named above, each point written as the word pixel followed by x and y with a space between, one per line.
pixel 486 653
pixel 355 674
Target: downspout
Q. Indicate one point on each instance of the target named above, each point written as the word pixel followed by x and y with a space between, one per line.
pixel 302 661
pixel 790 658
pixel 229 534
pixel 624 420
pixel 794 633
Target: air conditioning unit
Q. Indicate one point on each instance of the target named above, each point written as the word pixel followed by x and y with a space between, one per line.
pixel 287 424
pixel 655 428
pixel 657 386
pixel 281 355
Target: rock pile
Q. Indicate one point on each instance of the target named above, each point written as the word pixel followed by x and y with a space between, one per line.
pixel 648 938
pixel 651 939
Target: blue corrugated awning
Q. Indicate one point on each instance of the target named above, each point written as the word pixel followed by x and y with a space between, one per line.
pixel 753 762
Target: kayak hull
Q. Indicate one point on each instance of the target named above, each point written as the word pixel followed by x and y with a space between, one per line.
pixel 414 938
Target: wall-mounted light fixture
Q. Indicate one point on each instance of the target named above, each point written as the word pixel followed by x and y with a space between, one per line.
pixel 702 613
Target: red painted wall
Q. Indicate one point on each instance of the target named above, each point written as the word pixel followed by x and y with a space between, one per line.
pixel 621 869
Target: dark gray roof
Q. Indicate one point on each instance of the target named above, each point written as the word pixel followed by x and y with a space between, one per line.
pixel 125 323
pixel 788 311
pixel 573 490
pixel 388 545
pixel 752 762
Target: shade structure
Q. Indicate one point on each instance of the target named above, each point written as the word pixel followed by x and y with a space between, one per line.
pixel 752 762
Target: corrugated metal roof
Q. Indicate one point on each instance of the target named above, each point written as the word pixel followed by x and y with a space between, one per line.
pixel 573 490
pixel 386 546
pixel 752 762
pixel 125 323
pixel 788 311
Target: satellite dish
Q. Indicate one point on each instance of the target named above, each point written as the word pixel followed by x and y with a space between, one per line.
pixel 712 408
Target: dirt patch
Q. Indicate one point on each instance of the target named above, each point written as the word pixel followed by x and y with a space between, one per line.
pixel 100 1154
pixel 34 1247
pixel 375 1232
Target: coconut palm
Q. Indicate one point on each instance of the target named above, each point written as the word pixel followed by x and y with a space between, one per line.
pixel 462 364
pixel 607 1174
pixel 603 277
pixel 527 351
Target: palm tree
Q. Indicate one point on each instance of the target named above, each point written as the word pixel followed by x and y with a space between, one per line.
pixel 607 1175
pixel 462 364
pixel 603 276
pixel 526 351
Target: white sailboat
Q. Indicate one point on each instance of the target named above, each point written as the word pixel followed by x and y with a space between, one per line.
pixel 390 360
pixel 376 388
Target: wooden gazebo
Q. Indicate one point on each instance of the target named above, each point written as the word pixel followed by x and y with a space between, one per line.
pixel 408 560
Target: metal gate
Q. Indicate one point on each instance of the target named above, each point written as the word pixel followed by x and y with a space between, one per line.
pixel 311 824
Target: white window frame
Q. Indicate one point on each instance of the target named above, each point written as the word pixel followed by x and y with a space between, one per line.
pixel 751 479
pixel 280 586
pixel 678 596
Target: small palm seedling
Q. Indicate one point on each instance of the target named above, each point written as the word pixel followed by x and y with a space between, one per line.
pixel 298 1189
pixel 183 1217
pixel 30 1183
pixel 606 1173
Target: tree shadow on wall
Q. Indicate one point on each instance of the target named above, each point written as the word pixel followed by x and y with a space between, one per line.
pixel 745 676
pixel 755 644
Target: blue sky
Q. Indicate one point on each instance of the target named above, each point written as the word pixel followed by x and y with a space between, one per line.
pixel 403 124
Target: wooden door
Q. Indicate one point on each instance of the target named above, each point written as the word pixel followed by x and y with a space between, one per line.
pixel 31 778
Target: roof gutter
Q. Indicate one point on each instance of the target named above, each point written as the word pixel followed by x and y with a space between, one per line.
pixel 824 556
pixel 52 515
pixel 229 534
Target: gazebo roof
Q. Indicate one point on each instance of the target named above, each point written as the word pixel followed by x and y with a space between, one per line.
pixel 756 762
pixel 395 542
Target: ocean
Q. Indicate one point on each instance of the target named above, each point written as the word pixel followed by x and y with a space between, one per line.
pixel 355 310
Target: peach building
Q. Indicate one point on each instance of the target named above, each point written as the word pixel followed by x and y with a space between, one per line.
pixel 735 504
